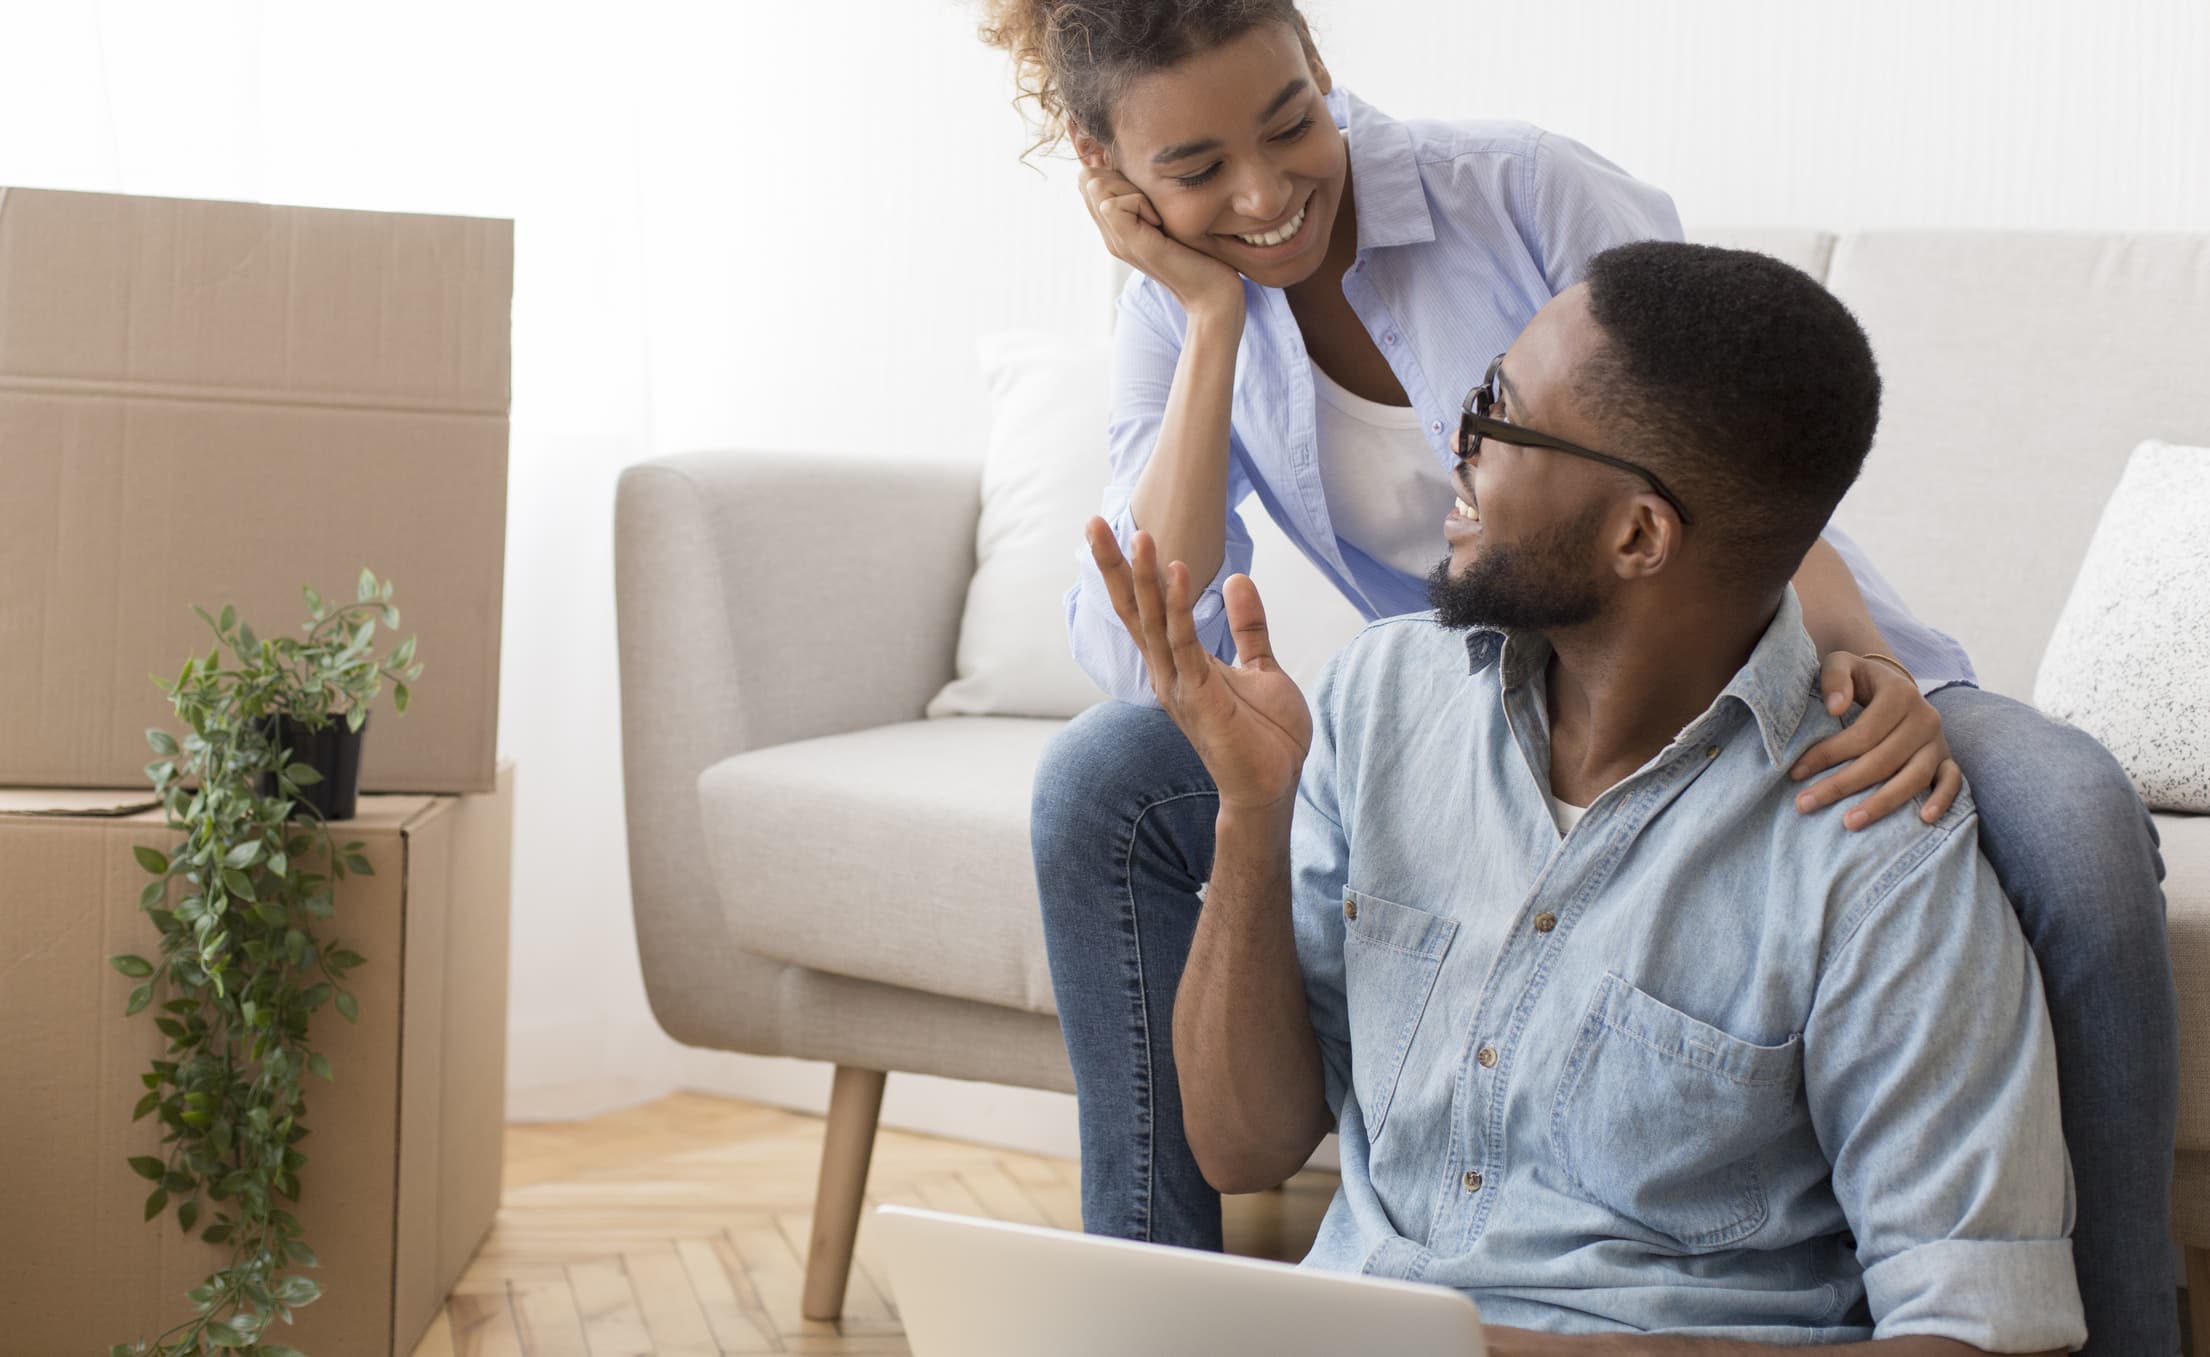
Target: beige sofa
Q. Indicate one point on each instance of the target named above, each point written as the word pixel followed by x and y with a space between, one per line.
pixel 819 872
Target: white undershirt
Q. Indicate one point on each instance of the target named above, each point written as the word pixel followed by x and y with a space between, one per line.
pixel 1564 814
pixel 1387 494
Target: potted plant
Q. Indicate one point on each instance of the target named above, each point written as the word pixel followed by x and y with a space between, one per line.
pixel 241 901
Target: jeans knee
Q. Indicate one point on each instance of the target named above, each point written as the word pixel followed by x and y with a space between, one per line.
pixel 1097 774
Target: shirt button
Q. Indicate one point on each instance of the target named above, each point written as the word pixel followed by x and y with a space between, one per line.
pixel 1712 752
pixel 1389 338
pixel 1487 1056
pixel 1350 909
pixel 1435 427
pixel 1545 921
pixel 1472 1180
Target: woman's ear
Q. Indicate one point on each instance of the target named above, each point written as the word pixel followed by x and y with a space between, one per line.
pixel 1088 149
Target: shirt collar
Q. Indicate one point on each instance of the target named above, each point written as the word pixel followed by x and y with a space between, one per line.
pixel 1385 179
pixel 1775 686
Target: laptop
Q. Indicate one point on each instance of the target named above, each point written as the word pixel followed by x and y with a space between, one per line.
pixel 967 1287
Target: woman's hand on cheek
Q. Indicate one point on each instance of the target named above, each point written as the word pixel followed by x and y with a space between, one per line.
pixel 1896 740
pixel 1136 235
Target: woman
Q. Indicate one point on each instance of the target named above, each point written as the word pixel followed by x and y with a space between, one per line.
pixel 1317 286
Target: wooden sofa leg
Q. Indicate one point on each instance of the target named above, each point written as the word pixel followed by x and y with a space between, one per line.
pixel 855 1101
pixel 2198 1298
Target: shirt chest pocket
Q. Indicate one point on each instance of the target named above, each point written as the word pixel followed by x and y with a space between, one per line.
pixel 1391 956
pixel 1664 1119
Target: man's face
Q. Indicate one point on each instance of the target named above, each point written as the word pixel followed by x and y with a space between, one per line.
pixel 1524 539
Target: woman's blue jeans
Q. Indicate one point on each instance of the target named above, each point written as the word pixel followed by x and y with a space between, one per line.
pixel 1122 828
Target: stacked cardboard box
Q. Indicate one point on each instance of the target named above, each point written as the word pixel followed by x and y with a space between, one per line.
pixel 402 1178
pixel 219 403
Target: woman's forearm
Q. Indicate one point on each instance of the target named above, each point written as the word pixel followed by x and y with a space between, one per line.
pixel 1834 610
pixel 1181 498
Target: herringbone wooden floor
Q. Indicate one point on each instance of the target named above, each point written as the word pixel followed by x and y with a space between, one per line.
pixel 678 1229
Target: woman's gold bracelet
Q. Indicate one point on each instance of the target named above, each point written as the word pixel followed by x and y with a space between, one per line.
pixel 1890 659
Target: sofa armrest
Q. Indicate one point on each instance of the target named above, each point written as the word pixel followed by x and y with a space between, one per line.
pixel 763 598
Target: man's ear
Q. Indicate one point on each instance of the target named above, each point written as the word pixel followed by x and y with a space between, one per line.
pixel 1645 540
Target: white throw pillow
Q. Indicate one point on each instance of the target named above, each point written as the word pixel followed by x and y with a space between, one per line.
pixel 1043 475
pixel 2128 659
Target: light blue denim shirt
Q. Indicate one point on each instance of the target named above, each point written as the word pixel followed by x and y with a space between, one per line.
pixel 1702 1064
pixel 1465 230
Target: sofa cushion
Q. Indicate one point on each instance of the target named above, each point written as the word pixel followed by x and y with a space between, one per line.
pixel 2021 369
pixel 926 825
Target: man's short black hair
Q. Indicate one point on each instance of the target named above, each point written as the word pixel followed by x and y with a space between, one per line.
pixel 1748 386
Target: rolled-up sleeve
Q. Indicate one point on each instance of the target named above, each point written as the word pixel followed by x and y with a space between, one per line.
pixel 1147 345
pixel 1319 863
pixel 1941 1118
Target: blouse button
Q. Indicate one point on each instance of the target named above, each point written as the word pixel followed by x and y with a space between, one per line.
pixel 1350 909
pixel 1545 921
pixel 1487 1056
pixel 1472 1180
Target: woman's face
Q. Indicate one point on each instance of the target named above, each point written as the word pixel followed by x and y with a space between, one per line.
pixel 1237 151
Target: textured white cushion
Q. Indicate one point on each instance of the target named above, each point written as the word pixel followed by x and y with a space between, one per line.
pixel 2128 658
pixel 1043 476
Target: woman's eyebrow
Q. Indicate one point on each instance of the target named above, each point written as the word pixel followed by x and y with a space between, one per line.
pixel 1186 149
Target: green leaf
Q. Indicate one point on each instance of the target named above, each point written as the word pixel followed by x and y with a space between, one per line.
pixel 162 741
pixel 244 855
pixel 156 1202
pixel 319 1065
pixel 137 968
pixel 153 893
pixel 238 883
pixel 345 957
pixel 301 1254
pixel 145 1105
pixel 348 1006
pixel 391 616
pixel 218 1233
pixel 279 1350
pixel 187 1214
pixel 355 719
pixel 279 866
pixel 366 589
pixel 139 998
pixel 152 859
pixel 303 775
pixel 355 862
pixel 230 618
pixel 314 600
pixel 247 641
pixel 148 1167
pixel 399 697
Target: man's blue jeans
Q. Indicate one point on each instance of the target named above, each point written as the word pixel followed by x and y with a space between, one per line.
pixel 1122 828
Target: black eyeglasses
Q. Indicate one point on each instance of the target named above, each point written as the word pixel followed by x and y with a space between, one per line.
pixel 1474 423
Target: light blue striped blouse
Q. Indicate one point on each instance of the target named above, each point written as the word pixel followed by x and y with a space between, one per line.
pixel 1465 230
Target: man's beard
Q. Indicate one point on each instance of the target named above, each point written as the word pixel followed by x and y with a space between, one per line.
pixel 1542 585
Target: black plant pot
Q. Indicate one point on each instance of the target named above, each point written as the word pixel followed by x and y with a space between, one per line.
pixel 334 751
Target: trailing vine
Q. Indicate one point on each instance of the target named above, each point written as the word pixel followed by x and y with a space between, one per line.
pixel 243 902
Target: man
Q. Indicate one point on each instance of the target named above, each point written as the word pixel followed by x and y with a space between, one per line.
pixel 1617 1041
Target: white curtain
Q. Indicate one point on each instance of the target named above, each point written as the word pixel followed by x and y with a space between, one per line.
pixel 783 226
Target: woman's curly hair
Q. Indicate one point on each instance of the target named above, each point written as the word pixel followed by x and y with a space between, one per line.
pixel 1071 58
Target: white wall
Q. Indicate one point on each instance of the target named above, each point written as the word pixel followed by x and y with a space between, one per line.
pixel 754 225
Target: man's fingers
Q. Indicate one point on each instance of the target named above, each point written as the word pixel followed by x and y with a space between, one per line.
pixel 1191 660
pixel 1120 586
pixel 1158 652
pixel 1247 621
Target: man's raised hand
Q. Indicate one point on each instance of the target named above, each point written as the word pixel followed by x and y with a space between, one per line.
pixel 1247 721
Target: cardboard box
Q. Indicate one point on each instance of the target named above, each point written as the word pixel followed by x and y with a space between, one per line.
pixel 404 1150
pixel 214 403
